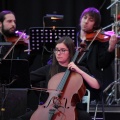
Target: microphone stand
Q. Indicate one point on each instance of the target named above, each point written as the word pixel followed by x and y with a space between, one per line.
pixel 113 4
pixel 111 25
pixel 111 96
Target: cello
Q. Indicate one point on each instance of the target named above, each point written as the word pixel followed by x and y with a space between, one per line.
pixel 61 104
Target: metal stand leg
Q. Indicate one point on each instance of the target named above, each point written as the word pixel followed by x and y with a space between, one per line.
pixel 117 76
pixel 96 108
pixel 3 102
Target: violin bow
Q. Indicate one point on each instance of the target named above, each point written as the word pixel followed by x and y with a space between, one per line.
pixel 13 45
pixel 89 45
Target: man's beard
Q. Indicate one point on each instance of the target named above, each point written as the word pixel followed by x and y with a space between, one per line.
pixel 8 33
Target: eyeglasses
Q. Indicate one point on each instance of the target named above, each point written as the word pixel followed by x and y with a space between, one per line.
pixel 62 51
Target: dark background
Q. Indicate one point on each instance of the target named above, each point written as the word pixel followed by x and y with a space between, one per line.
pixel 29 13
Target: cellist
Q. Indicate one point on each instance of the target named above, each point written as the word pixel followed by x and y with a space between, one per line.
pixel 63 53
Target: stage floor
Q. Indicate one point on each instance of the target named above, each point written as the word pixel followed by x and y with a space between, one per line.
pixel 107 108
pixel 111 112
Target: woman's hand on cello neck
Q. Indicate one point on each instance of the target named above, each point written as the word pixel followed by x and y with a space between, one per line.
pixel 73 67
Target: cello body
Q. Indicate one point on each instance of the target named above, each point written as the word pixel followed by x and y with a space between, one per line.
pixel 61 104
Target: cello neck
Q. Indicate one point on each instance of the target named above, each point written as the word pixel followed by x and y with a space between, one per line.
pixel 67 73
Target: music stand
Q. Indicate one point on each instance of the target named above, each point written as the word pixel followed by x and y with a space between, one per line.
pixel 13 74
pixel 5 43
pixel 51 20
pixel 16 71
pixel 4 47
pixel 48 36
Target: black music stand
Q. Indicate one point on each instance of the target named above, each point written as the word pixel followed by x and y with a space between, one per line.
pixel 15 71
pixel 13 74
pixel 5 43
pixel 47 36
pixel 51 20
pixel 4 47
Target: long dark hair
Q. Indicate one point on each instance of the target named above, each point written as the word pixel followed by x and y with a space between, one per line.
pixel 3 13
pixel 70 45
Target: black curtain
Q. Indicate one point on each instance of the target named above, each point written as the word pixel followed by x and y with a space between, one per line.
pixel 29 13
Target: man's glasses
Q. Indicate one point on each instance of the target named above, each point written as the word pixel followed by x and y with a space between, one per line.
pixel 62 51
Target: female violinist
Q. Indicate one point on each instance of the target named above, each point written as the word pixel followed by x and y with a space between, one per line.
pixel 100 55
pixel 63 53
pixel 7 34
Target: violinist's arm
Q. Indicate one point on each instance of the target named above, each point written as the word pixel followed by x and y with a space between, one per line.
pixel 112 42
pixel 89 79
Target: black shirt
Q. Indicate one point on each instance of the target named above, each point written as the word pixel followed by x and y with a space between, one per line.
pixel 42 74
pixel 98 60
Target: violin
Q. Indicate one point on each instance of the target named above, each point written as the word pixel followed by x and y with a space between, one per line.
pixel 17 40
pixel 102 36
pixel 24 39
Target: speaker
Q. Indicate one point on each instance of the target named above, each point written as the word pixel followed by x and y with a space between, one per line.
pixel 14 101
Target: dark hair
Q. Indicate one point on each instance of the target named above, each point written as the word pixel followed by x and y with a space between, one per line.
pixel 3 13
pixel 70 45
pixel 95 14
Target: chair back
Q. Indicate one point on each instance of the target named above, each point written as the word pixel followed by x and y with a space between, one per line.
pixel 86 99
